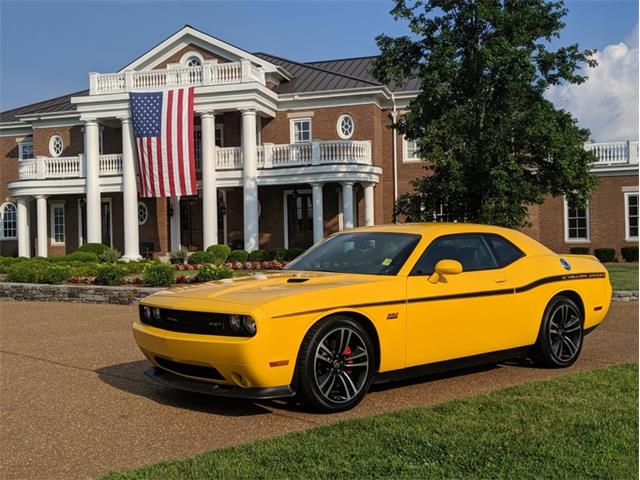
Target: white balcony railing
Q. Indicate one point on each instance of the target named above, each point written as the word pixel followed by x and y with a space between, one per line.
pixel 66 167
pixel 299 154
pixel 614 153
pixel 210 73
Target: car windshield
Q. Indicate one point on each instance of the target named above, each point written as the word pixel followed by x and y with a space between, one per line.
pixel 373 253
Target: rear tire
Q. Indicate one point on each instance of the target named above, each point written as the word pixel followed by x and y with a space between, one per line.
pixel 561 334
pixel 335 365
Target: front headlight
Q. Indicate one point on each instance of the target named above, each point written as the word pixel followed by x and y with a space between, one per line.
pixel 156 313
pixel 249 325
pixel 243 325
pixel 146 311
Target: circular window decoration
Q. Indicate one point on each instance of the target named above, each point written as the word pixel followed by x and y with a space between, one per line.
pixel 193 62
pixel 143 213
pixel 55 145
pixel 346 126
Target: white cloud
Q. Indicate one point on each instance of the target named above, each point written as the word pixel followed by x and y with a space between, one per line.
pixel 607 103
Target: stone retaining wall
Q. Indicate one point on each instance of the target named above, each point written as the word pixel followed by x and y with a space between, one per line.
pixel 127 295
pixel 74 293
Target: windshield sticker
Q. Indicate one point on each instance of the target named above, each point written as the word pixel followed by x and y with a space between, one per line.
pixel 387 261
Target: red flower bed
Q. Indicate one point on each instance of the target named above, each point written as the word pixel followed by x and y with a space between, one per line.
pixel 266 265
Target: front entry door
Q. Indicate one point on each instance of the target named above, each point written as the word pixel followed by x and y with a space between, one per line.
pixel 191 223
pixel 105 219
pixel 300 220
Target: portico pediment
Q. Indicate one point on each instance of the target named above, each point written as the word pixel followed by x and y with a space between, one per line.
pixel 187 40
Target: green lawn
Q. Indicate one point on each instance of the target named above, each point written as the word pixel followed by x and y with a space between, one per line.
pixel 578 426
pixel 624 276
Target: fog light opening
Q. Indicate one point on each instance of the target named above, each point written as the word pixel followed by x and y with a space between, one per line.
pixel 239 379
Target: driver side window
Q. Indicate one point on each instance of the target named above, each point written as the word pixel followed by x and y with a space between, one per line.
pixel 471 250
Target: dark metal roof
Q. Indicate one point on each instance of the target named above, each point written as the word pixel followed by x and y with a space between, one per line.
pixel 361 67
pixel 341 74
pixel 53 105
pixel 309 78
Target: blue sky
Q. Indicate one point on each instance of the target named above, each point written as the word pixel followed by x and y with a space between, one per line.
pixel 47 48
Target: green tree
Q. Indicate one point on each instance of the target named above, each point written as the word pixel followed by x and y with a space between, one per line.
pixel 494 144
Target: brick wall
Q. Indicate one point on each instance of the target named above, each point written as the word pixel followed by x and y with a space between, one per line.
pixel 606 213
pixel 72 139
pixel 8 173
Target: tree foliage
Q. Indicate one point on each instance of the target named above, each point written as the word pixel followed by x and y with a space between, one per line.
pixel 494 144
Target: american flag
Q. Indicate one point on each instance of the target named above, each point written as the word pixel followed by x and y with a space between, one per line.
pixel 163 128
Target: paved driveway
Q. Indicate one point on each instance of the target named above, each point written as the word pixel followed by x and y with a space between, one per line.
pixel 75 404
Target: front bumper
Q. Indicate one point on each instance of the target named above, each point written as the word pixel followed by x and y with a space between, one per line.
pixel 171 380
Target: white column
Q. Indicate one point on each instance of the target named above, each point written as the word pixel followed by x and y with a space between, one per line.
pixel 209 188
pixel 368 204
pixel 91 155
pixel 24 239
pixel 43 237
pixel 318 215
pixel 129 192
pixel 250 181
pixel 347 205
pixel 176 241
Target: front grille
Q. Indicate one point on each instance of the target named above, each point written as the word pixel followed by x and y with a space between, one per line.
pixel 188 369
pixel 185 321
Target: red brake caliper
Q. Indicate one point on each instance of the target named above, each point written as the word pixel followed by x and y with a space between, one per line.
pixel 346 353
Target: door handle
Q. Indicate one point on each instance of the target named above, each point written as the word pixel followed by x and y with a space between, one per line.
pixel 501 280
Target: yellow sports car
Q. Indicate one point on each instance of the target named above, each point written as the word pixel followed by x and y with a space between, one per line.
pixel 370 305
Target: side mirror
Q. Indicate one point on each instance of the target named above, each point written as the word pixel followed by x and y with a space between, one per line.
pixel 445 267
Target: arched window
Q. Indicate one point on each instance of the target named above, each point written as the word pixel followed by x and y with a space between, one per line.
pixel 56 145
pixel 193 61
pixel 8 221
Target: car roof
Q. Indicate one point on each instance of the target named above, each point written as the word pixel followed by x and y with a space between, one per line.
pixel 437 229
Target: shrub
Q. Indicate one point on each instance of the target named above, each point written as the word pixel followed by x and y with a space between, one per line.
pixel 178 256
pixel 605 254
pixel 83 269
pixel 221 252
pixel 58 259
pixel 6 262
pixel 110 255
pixel 85 257
pixel 257 256
pixel 630 254
pixel 207 273
pixel 158 275
pixel 110 274
pixel 293 253
pixel 579 250
pixel 57 273
pixel 201 257
pixel 136 267
pixel 27 272
pixel 277 254
pixel 96 248
pixel 238 256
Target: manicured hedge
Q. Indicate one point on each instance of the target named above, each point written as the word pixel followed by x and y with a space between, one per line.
pixel 88 257
pixel 38 271
pixel 238 256
pixel 580 250
pixel 178 256
pixel 605 254
pixel 293 253
pixel 278 254
pixel 110 274
pixel 202 257
pixel 158 275
pixel 257 256
pixel 97 248
pixel 110 255
pixel 221 253
pixel 630 254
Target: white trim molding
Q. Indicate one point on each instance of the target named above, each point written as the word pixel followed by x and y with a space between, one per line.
pixel 53 206
pixel 405 152
pixel 2 219
pixel 292 128
pixel 627 227
pixel 567 238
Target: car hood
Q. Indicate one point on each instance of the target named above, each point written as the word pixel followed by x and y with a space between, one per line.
pixel 274 292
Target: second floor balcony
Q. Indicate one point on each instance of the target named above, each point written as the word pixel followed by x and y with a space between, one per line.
pixel 270 156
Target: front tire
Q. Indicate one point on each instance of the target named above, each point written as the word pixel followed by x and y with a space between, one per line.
pixel 335 364
pixel 561 333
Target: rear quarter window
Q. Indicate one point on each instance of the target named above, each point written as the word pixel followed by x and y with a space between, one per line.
pixel 505 252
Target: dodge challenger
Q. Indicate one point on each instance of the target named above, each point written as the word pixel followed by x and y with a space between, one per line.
pixel 374 304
